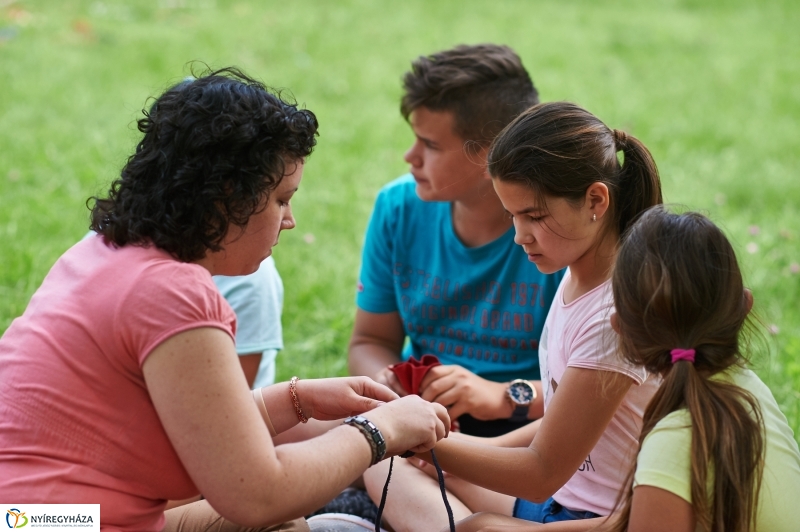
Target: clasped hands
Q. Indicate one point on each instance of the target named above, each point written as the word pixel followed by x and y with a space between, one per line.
pixel 407 423
pixel 460 390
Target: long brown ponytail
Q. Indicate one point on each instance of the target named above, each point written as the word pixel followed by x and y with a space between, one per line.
pixel 559 149
pixel 639 183
pixel 677 284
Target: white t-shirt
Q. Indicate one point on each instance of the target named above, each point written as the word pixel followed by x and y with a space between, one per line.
pixel 579 335
pixel 257 300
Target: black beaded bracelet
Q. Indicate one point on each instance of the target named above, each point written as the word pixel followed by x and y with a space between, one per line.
pixel 373 435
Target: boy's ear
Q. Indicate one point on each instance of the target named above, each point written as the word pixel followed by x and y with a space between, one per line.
pixel 614 322
pixel 748 298
pixel 479 155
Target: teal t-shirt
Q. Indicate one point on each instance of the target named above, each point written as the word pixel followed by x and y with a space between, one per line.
pixel 482 308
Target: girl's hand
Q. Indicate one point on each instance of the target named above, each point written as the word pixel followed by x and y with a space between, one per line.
pixel 389 379
pixel 411 424
pixel 337 398
pixel 463 392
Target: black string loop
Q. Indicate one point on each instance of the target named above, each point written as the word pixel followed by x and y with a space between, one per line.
pixel 439 473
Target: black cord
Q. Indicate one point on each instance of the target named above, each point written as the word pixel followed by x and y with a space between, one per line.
pixel 383 496
pixel 439 473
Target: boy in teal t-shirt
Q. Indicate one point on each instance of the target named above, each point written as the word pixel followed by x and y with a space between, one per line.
pixel 440 271
pixel 482 307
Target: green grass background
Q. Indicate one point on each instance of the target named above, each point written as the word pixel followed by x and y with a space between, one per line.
pixel 711 86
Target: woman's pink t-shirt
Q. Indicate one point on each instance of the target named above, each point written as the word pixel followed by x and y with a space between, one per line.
pixel 76 421
pixel 579 335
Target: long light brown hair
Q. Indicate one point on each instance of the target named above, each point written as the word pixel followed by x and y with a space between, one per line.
pixel 677 284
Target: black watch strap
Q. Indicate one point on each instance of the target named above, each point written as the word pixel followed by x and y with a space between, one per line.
pixel 373 435
pixel 520 413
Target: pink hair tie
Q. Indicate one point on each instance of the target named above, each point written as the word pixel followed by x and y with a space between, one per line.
pixel 682 354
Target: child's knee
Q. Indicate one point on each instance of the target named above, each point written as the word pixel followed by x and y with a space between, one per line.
pixel 403 475
pixel 375 477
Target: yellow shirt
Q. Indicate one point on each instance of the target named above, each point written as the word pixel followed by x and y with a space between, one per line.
pixel 664 461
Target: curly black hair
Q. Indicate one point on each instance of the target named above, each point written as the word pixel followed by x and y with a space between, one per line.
pixel 213 149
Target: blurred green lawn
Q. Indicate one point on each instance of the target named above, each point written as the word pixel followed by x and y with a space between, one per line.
pixel 712 87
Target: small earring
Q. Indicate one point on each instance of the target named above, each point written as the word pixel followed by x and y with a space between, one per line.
pixel 594 217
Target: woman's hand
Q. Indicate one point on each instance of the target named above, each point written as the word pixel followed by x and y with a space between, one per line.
pixel 463 392
pixel 327 399
pixel 411 424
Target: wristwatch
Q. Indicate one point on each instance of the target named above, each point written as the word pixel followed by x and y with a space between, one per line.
pixel 522 394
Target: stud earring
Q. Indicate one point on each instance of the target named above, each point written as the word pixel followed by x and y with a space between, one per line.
pixel 594 217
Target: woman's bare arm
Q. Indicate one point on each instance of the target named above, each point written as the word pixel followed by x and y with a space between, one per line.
pixel 202 399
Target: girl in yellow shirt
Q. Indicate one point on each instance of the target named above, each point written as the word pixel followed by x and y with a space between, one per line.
pixel 716 452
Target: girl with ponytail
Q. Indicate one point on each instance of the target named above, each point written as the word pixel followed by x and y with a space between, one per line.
pixel 716 453
pixel 557 171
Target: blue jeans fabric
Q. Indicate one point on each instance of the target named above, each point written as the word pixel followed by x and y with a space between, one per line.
pixel 548 511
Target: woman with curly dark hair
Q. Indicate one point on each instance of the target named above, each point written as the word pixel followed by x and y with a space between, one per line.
pixel 121 380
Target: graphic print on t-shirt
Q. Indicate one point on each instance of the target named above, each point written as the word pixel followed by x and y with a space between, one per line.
pixel 464 317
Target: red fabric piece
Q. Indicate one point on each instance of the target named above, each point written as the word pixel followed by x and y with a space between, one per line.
pixel 411 372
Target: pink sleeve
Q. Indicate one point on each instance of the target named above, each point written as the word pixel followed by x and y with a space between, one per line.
pixel 170 297
pixel 596 347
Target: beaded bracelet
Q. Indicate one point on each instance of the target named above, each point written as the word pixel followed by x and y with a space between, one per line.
pixel 296 401
pixel 373 435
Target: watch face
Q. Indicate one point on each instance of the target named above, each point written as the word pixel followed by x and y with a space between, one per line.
pixel 521 393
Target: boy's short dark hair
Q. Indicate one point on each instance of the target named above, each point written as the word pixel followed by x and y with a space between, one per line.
pixel 485 86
